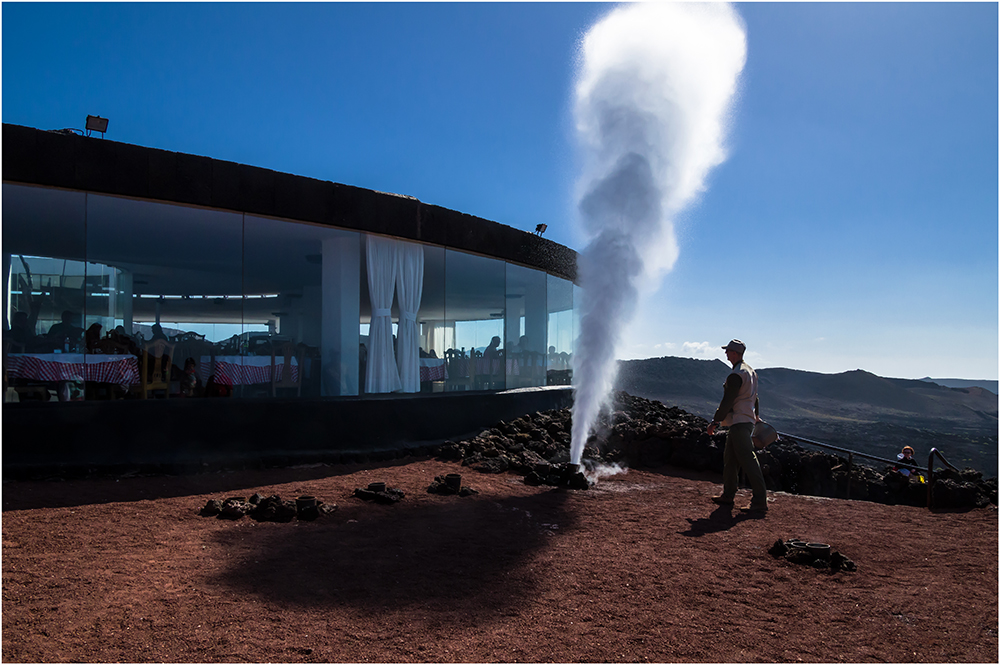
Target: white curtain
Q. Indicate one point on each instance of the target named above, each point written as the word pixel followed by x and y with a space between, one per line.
pixel 409 289
pixel 381 375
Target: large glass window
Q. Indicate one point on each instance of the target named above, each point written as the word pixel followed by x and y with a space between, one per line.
pixel 109 297
pixel 474 322
pixel 301 283
pixel 44 248
pixel 525 327
pixel 431 322
pixel 165 283
pixel 561 331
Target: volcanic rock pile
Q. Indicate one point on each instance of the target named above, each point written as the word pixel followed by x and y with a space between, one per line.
pixel 267 509
pixel 643 433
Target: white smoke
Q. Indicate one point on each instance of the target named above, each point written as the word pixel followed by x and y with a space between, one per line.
pixel 595 472
pixel 654 87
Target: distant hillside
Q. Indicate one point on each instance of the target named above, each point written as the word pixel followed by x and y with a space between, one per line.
pixel 992 386
pixel 856 409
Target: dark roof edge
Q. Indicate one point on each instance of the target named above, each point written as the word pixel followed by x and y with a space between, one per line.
pixel 55 159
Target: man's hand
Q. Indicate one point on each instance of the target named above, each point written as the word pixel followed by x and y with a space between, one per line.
pixel 711 428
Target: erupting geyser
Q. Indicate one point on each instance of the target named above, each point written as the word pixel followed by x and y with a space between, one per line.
pixel 654 86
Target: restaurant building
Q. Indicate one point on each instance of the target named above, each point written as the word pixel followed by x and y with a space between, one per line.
pixel 136 277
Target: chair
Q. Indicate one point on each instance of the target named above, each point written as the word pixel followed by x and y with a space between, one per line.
pixel 461 370
pixel 498 371
pixel 157 375
pixel 534 363
pixel 288 351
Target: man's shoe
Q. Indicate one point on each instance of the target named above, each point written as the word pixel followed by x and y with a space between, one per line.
pixel 754 509
pixel 722 501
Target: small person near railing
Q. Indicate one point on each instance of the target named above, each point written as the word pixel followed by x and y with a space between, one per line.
pixel 911 465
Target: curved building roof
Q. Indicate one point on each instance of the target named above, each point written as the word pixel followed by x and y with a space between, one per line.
pixel 66 160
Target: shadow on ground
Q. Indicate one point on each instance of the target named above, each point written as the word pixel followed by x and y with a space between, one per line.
pixel 468 556
pixel 61 493
pixel 720 519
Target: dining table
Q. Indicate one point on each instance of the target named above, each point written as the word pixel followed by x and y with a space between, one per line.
pixel 485 366
pixel 243 370
pixel 120 369
pixel 433 369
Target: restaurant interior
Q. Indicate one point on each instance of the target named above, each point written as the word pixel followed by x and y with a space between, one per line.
pixel 109 298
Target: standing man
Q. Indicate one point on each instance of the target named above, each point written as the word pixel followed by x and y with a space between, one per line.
pixel 738 411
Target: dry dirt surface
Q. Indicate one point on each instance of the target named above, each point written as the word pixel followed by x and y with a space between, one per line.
pixel 642 567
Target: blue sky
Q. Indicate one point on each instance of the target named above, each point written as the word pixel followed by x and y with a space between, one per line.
pixel 859 202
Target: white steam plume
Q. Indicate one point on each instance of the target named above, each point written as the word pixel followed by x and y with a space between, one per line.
pixel 653 91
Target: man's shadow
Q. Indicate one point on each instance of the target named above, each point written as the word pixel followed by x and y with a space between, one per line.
pixel 720 519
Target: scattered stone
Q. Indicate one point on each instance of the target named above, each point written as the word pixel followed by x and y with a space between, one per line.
pixel 380 494
pixel 558 475
pixel 267 509
pixel 234 508
pixel 274 509
pixel 212 508
pixel 444 485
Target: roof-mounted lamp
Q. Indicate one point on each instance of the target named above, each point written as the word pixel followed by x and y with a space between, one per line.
pixel 96 123
pixel 539 230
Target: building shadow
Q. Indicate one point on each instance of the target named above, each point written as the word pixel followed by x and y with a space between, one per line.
pixel 467 557
pixel 103 488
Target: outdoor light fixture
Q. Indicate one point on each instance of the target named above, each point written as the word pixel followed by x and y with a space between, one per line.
pixel 539 230
pixel 96 123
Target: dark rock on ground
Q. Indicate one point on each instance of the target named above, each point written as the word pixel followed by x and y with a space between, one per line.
pixel 386 496
pixel 442 486
pixel 265 509
pixel 212 508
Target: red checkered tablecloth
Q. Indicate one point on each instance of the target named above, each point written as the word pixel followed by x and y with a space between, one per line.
pixel 484 366
pixel 432 369
pixel 243 370
pixel 94 367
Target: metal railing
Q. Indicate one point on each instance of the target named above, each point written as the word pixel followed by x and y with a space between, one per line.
pixel 852 453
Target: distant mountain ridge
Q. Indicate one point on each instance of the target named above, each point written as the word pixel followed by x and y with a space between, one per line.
pixel 992 386
pixel 855 409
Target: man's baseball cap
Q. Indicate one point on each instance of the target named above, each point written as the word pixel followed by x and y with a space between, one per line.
pixel 735 345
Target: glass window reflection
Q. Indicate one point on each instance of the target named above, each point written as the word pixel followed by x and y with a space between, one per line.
pixel 165 285
pixel 45 288
pixel 525 327
pixel 301 283
pixel 561 330
pixel 474 322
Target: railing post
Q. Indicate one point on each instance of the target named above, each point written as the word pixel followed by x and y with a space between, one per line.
pixel 930 477
pixel 850 465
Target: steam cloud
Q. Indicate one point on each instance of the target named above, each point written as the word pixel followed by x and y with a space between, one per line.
pixel 654 86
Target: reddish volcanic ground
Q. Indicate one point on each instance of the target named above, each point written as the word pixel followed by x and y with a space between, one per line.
pixel 642 567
